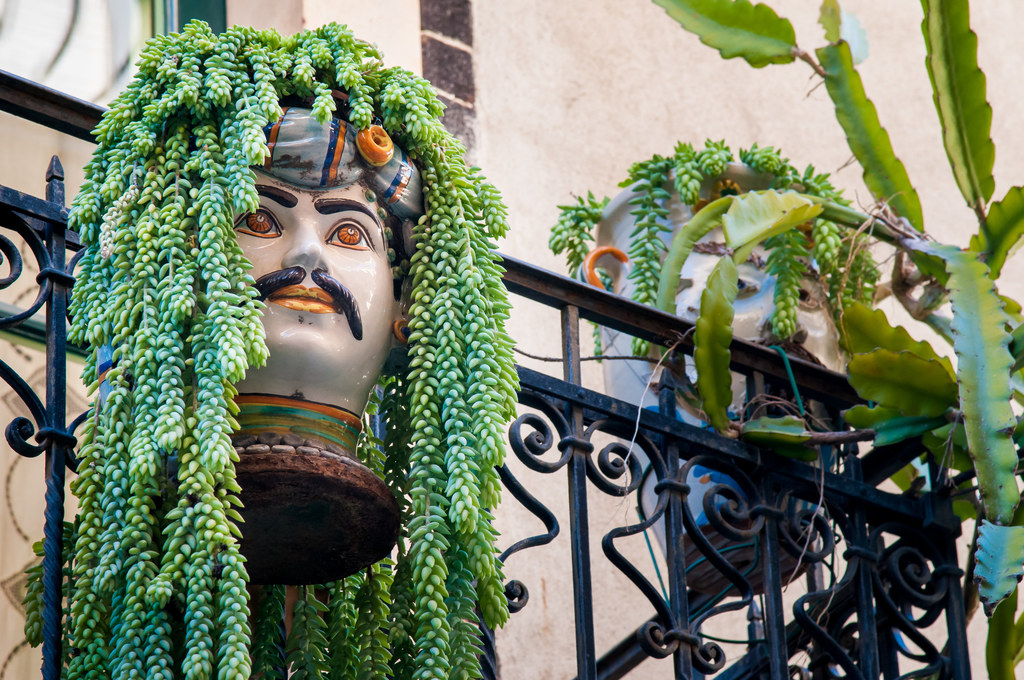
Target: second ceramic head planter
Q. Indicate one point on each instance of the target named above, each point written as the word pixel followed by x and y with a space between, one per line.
pixel 789 290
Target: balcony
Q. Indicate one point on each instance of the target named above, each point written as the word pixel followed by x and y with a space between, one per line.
pixel 808 570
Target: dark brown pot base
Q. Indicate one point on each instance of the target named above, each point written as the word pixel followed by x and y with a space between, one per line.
pixel 312 516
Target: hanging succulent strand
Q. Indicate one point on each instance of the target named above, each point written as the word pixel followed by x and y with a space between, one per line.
pixel 267 644
pixel 158 586
pixel 647 245
pixel 573 233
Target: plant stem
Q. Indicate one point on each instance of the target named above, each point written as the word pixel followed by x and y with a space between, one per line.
pixel 848 217
pixel 822 438
pixel 807 58
pixel 979 210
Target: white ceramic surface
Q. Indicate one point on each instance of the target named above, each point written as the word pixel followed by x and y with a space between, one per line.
pixel 313 354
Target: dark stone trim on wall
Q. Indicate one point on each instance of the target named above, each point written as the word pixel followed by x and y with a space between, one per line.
pixel 451 18
pixel 446 41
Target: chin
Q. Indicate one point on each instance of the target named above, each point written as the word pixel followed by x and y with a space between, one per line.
pixel 315 357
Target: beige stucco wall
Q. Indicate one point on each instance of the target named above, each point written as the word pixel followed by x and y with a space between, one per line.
pixel 394 25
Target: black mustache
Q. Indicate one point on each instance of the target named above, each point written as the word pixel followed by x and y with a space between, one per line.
pixel 341 297
pixel 344 300
pixel 268 284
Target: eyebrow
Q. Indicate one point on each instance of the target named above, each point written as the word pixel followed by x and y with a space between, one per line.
pixel 329 206
pixel 277 195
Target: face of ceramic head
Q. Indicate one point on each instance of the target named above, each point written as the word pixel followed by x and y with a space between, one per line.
pixel 320 260
pixel 755 304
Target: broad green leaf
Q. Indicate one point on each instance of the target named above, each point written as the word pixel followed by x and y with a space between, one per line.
pixel 711 340
pixel 1001 643
pixel 958 86
pixel 682 244
pixel 1000 562
pixel 889 424
pixel 736 29
pixel 1012 308
pixel 864 330
pixel 785 436
pixel 1000 234
pixel 863 416
pixel 884 174
pixel 898 429
pixel 904 381
pixel 842 25
pixel 983 369
pixel 757 215
pixel 831 18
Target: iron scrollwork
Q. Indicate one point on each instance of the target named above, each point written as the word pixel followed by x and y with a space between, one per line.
pixel 46 239
pixel 910 591
pixel 530 447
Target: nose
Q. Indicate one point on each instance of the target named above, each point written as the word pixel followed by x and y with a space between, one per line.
pixel 305 248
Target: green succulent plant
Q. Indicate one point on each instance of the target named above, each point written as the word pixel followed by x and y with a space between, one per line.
pixel 965 416
pixel 157 585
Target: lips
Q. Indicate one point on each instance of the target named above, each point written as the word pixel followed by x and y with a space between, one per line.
pixel 303 299
pixel 328 296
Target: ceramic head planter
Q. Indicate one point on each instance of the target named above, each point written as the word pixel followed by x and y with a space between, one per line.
pixel 336 213
pixel 790 289
pixel 815 336
pixel 187 229
pixel 786 289
pixel 324 244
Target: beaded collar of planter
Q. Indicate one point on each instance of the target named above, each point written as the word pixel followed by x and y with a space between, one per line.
pixel 287 444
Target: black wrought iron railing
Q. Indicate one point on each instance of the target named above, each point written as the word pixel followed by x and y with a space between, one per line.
pixel 837 577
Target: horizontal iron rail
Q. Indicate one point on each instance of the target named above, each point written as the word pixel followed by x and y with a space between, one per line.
pixel 40 104
pixel 38 210
pixel 618 313
pixel 800 477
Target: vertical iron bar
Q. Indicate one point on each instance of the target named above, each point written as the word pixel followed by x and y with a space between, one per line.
pixel 888 654
pixel 867 631
pixel 56 385
pixel 774 609
pixel 579 532
pixel 957 652
pixel 675 565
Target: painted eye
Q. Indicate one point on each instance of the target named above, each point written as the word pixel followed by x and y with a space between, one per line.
pixel 260 224
pixel 747 288
pixel 349 236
